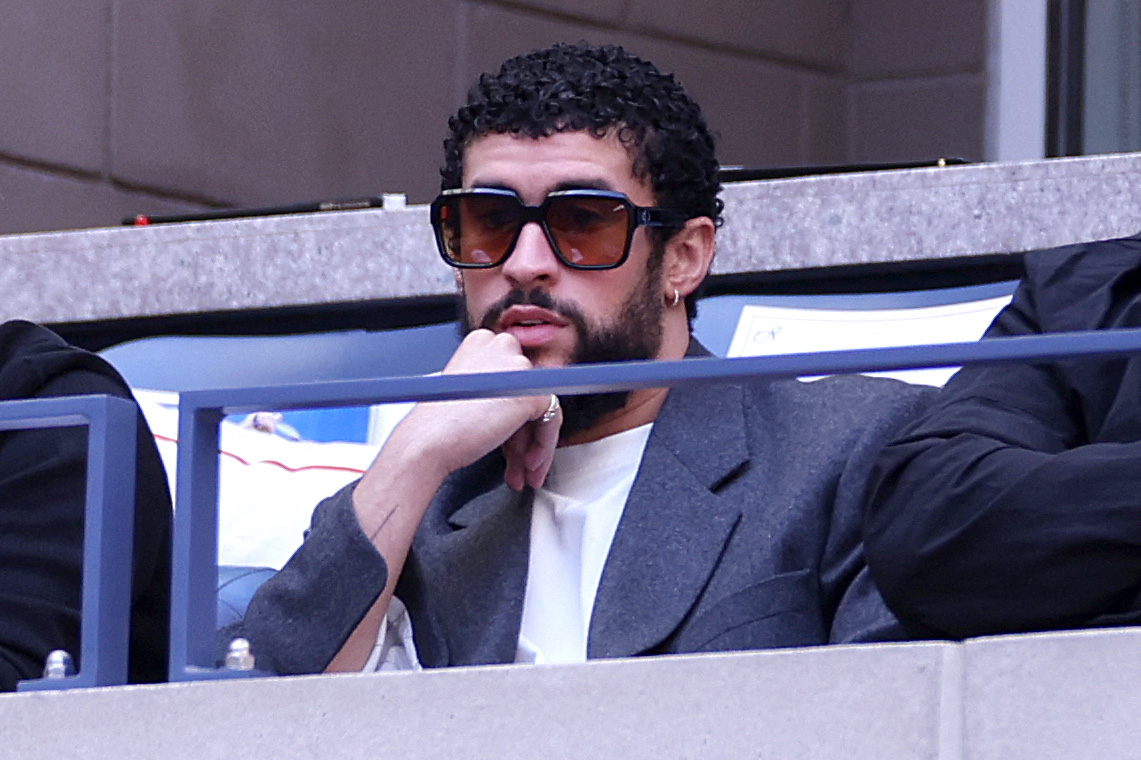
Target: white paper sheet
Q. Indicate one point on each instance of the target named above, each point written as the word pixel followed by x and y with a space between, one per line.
pixel 774 330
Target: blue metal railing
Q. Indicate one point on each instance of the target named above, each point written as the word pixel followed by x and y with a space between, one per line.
pixel 193 600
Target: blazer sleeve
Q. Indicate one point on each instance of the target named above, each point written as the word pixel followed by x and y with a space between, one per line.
pixel 994 513
pixel 858 611
pixel 299 619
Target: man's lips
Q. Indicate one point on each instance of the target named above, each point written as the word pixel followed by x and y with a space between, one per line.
pixel 532 326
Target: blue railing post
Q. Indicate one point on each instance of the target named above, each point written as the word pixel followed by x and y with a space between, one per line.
pixel 194 564
pixel 108 530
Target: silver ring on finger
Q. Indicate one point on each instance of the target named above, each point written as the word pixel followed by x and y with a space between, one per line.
pixel 552 409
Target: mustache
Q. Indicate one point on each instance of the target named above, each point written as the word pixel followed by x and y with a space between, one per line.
pixel 536 297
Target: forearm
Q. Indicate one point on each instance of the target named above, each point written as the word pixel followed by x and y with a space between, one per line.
pixel 322 610
pixel 389 506
pixel 300 618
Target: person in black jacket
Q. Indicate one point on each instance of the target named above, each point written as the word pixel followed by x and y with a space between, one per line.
pixel 42 499
pixel 1014 503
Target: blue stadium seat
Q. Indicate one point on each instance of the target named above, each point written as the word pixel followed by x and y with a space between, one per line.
pixel 183 363
pixel 196 362
pixel 236 586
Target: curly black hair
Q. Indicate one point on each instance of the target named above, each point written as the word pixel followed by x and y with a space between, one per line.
pixel 600 89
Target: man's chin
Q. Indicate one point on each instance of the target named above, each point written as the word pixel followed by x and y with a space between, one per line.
pixel 547 357
pixel 584 412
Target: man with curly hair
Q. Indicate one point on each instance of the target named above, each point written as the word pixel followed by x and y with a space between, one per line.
pixel 578 210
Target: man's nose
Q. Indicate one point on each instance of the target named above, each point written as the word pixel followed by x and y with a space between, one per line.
pixel 532 262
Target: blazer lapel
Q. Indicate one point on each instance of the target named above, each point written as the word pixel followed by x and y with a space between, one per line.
pixel 480 575
pixel 674 525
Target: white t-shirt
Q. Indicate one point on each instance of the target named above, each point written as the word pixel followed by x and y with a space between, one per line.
pixel 573 520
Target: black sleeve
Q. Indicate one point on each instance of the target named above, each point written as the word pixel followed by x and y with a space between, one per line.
pixel 42 498
pixel 995 513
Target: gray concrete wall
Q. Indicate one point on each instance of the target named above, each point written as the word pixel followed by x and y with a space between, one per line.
pixel 1037 697
pixel 347 256
pixel 116 107
pixel 854 703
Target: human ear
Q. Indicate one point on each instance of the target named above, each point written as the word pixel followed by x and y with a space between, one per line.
pixel 688 256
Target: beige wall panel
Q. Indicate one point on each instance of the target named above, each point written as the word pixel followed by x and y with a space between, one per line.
pixel 755 107
pixel 810 32
pixel 606 11
pixel 53 75
pixel 259 103
pixel 917 119
pixel 491 34
pixel 264 102
pixel 825 120
pixel 910 37
pixel 32 201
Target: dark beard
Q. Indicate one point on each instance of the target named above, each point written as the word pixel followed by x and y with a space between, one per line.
pixel 635 335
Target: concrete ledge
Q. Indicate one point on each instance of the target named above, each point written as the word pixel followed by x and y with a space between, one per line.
pixel 1057 695
pixel 210 266
pixel 929 213
pixel 342 257
pixel 1041 696
pixel 874 701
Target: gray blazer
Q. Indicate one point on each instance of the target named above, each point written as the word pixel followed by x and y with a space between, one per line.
pixel 741 531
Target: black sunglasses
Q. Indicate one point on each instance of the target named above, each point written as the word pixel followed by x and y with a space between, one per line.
pixel 587 229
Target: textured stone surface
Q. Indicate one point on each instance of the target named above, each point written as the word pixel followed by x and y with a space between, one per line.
pixel 272 261
pixel 845 702
pixel 787 224
pixel 54 57
pixel 1053 696
pixel 929 213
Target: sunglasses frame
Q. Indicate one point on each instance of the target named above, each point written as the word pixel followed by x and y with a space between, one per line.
pixel 637 216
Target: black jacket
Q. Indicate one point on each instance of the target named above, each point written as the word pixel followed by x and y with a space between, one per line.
pixel 42 488
pixel 1014 503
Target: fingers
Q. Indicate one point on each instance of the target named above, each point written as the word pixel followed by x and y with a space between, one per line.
pixel 527 427
pixel 531 450
pixel 541 455
pixel 484 351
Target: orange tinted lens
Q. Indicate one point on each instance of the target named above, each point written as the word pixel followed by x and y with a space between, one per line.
pixel 480 228
pixel 589 231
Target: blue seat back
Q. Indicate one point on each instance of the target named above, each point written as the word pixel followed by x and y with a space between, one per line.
pixel 183 363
